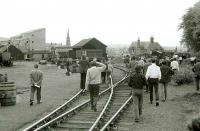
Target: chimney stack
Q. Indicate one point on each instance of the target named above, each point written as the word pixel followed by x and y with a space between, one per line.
pixel 138 42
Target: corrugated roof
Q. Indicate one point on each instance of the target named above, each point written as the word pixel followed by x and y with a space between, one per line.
pixel 85 41
pixel 82 43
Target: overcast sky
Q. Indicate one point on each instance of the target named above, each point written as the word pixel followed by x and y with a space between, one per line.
pixel 113 22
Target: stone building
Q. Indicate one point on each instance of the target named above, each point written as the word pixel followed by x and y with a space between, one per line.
pixel 30 40
pixel 144 47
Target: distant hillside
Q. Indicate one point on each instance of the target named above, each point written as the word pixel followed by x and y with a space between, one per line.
pixel 119 46
pixel 3 39
pixel 179 48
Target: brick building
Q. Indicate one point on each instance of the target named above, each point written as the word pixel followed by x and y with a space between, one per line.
pixel 144 47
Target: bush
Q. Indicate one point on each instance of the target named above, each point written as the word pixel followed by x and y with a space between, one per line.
pixel 195 124
pixel 184 76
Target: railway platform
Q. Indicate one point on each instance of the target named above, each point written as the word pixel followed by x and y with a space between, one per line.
pixel 57 88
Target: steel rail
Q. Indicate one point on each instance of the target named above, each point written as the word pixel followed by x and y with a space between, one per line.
pixel 51 115
pixel 116 115
pixel 72 111
pixel 103 112
pixel 94 126
pixel 63 116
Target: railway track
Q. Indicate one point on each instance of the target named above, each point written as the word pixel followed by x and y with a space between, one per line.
pixel 121 99
pixel 72 106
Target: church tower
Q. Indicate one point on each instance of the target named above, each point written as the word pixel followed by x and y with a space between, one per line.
pixel 68 44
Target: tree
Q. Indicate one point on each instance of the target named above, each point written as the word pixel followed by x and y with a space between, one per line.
pixel 191 28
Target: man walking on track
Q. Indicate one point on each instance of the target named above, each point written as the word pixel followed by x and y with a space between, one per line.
pixel 137 82
pixel 36 77
pixel 153 75
pixel 93 80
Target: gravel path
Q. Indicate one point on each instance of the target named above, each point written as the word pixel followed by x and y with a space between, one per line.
pixel 56 89
pixel 172 115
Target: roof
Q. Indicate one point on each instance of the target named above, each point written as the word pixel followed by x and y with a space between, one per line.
pixel 63 47
pixel 84 42
pixel 40 52
pixel 39 29
pixel 19 36
pixel 146 44
pixel 3 48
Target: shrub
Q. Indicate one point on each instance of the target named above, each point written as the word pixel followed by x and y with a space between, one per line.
pixel 184 76
pixel 195 124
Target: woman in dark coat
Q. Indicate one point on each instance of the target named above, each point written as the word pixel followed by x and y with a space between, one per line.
pixel 166 73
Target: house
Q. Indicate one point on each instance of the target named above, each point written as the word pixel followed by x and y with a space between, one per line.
pixel 62 51
pixel 144 47
pixel 58 50
pixel 37 55
pixel 91 48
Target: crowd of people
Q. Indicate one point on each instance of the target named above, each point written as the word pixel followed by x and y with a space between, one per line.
pixel 92 74
pixel 145 75
pixel 154 74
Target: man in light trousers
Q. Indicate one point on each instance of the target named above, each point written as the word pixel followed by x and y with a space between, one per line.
pixel 36 77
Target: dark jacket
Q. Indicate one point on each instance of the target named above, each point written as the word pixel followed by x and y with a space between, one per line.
pixel 132 66
pixel 196 70
pixel 137 81
pixel 84 65
pixel 166 73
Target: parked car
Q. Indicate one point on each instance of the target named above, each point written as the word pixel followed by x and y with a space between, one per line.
pixel 43 62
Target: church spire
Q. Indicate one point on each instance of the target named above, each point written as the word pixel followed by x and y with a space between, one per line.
pixel 68 39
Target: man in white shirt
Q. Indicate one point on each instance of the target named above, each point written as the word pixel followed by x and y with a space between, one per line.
pixel 174 65
pixel 153 75
pixel 93 79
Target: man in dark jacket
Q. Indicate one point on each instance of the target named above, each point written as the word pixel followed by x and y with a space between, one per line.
pixel 137 81
pixel 36 77
pixel 166 73
pixel 83 66
pixel 196 70
pixel 132 64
